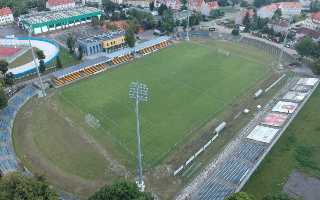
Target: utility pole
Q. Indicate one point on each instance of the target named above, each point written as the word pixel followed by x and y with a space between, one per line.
pixel 139 93
pixel 37 66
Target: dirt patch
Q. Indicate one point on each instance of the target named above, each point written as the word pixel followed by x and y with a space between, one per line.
pixel 302 186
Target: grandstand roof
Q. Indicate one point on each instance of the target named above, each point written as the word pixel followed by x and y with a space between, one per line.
pixel 110 56
pixel 102 37
pixel 5 11
pixel 56 16
pixel 82 65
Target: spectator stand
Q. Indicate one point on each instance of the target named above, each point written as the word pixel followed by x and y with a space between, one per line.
pixel 85 69
pixel 8 159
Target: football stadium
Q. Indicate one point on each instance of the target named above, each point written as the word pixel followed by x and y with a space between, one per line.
pixel 83 134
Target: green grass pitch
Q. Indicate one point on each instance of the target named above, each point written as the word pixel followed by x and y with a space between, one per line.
pixel 190 83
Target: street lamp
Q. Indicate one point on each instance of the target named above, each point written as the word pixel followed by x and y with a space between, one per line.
pixel 36 65
pixel 139 93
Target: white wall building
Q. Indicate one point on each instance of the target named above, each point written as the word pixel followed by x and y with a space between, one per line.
pixel 60 4
pixel 288 9
pixel 6 16
pixel 313 22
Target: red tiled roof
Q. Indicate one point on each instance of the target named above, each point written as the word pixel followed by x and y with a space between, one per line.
pixel 315 17
pixel 284 5
pixel 5 11
pixel 59 2
pixel 213 5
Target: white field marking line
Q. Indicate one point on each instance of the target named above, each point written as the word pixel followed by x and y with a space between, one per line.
pixel 233 53
pixel 108 132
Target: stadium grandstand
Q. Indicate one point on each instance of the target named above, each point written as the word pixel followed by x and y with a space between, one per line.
pixel 71 74
pixel 8 160
pixel 46 21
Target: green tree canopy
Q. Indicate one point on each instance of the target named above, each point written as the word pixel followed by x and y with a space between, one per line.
pixel 71 41
pixel 277 14
pixel 130 37
pixel 4 66
pixel 58 63
pixel 306 47
pixel 40 55
pixel 240 196
pixel 281 196
pixel 120 191
pixel 167 21
pixel 17 186
pixel 3 103
pixel 161 9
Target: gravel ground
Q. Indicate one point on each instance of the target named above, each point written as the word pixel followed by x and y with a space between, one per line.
pixel 301 186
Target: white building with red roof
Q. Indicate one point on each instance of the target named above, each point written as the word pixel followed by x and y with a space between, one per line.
pixel 313 22
pixel 288 9
pixel 60 4
pixel 195 5
pixel 6 16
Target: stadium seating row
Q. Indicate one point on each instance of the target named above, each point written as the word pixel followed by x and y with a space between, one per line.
pixel 121 59
pixel 79 74
pixel 100 67
pixel 8 161
pixel 153 48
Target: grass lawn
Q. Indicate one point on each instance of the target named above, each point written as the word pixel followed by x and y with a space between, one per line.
pixel 298 148
pixel 190 84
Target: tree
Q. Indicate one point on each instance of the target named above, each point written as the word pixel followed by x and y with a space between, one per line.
pixel 316 66
pixel 223 3
pixel 130 35
pixel 9 79
pixel 42 66
pixel 109 6
pixel 167 21
pixel 151 5
pixel 95 21
pixel 120 191
pixel 17 186
pixel 58 63
pixel 80 49
pixel 277 14
pixel 216 13
pixel 40 55
pixel 244 4
pixel 305 47
pixel 246 22
pixel 3 103
pixel 259 3
pixel 235 31
pixel 315 6
pixel 235 2
pixel 184 5
pixel 281 196
pixel 4 66
pixel 240 196
pixel 161 9
pixel 71 43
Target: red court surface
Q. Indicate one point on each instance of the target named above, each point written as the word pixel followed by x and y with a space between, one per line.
pixel 274 119
pixel 8 51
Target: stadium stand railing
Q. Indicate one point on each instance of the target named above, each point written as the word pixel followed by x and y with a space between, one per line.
pixel 8 159
pixel 71 74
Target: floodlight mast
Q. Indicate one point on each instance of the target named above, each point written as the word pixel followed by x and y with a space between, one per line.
pixel 284 43
pixel 139 92
pixel 36 65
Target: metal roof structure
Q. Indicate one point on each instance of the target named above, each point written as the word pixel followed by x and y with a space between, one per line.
pixel 55 17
